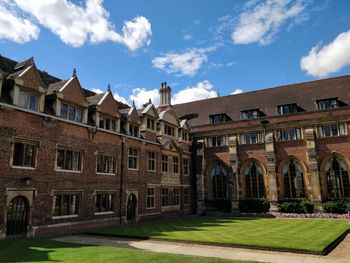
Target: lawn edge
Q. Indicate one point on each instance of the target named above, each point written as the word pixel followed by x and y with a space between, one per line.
pixel 324 252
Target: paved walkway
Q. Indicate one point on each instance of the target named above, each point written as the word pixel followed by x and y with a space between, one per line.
pixel 340 255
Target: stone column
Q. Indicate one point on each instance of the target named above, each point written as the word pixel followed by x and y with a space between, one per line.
pixel 200 166
pixel 313 186
pixel 233 182
pixel 271 170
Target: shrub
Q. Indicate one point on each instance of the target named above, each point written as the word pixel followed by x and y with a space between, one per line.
pixel 296 206
pixel 335 206
pixel 254 206
pixel 290 207
pixel 307 206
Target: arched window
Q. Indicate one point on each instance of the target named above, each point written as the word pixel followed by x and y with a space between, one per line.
pixel 254 180
pixel 337 178
pixel 293 177
pixel 219 181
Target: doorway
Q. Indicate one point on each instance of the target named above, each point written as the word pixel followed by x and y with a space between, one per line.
pixel 17 217
pixel 131 208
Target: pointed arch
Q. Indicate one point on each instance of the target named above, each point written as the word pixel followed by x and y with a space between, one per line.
pixel 334 172
pixel 292 173
pixel 253 173
pixel 219 177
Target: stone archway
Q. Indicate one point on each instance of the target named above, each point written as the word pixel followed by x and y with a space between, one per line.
pixel 17 217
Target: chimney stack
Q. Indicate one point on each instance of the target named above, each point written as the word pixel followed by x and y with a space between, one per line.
pixel 165 95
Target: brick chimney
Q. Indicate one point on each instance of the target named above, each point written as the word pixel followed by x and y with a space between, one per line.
pixel 165 95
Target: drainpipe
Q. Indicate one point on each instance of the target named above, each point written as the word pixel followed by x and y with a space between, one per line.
pixel 121 180
pixel 181 183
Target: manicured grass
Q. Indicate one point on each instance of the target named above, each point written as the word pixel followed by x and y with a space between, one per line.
pixel 312 235
pixel 35 250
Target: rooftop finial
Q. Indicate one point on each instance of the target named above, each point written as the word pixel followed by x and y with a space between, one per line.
pixel 149 101
pixel 109 88
pixel 133 104
pixel 74 72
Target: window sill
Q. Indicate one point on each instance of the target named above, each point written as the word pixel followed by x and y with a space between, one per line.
pixel 103 213
pixel 151 171
pixel 110 174
pixel 64 217
pixel 327 137
pixel 68 171
pixel 149 208
pixel 133 169
pixel 22 167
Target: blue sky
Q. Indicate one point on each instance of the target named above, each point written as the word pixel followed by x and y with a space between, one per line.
pixel 201 48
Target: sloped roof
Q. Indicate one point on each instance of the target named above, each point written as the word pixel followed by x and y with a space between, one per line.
pixel 303 94
pixel 56 86
pixel 95 99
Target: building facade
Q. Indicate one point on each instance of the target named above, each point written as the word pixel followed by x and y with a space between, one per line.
pixel 72 159
pixel 288 142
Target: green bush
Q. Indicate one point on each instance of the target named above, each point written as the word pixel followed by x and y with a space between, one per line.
pixel 335 206
pixel 254 206
pixel 307 206
pixel 296 206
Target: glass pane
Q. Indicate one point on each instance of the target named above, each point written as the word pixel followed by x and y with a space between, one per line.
pixel 29 158
pixel 33 102
pixel 23 99
pixel 60 159
pixel 71 113
pixel 68 160
pixel 79 116
pixel 18 154
pixel 63 111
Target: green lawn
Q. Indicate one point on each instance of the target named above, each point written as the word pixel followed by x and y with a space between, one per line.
pixel 291 234
pixel 35 250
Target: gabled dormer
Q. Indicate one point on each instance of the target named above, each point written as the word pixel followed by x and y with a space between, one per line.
pixel 131 122
pixel 25 87
pixel 168 124
pixel 68 100
pixel 149 117
pixel 103 111
pixel 184 132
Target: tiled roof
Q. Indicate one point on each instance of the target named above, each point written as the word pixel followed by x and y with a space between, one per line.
pixel 304 94
pixel 56 86
pixel 94 100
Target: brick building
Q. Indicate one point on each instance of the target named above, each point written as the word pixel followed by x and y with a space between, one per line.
pixel 72 159
pixel 287 142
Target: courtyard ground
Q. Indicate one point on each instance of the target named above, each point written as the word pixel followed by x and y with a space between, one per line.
pixel 41 251
pixel 304 235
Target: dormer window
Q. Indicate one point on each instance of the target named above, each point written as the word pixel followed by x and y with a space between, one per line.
pixel 133 130
pixel 251 114
pixel 107 123
pixel 218 118
pixel 71 113
pixel 28 101
pixel 287 109
pixel 185 136
pixel 169 130
pixel 150 124
pixel 326 104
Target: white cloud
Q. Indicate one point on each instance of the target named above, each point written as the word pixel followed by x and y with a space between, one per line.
pixel 323 60
pixel 187 37
pixel 15 28
pixel 141 96
pixel 186 63
pixel 237 91
pixel 120 98
pixel 260 21
pixel 75 25
pixel 98 91
pixel 202 90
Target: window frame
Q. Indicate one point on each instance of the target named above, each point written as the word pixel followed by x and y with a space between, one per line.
pixel 165 163
pixel 280 134
pixel 110 203
pixel 74 151
pixel 133 156
pixel 76 109
pixel 184 160
pixel 70 214
pixel 25 143
pixel 186 195
pixel 176 165
pixel 29 96
pixel 258 134
pixel 151 160
pixel 150 196
pixel 111 158
pixel 322 130
pixel 165 197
